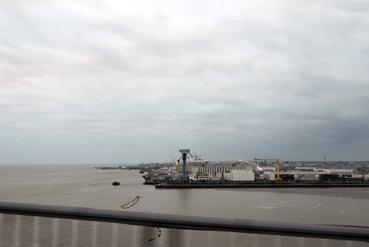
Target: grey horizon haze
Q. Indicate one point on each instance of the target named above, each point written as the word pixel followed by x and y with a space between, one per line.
pixel 122 81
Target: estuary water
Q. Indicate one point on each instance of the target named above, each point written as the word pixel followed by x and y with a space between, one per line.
pixel 84 186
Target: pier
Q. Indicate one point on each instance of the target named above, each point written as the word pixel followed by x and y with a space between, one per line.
pixel 266 184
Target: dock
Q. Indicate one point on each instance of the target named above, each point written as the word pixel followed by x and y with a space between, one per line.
pixel 264 184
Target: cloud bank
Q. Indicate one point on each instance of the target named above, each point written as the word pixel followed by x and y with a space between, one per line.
pixel 101 81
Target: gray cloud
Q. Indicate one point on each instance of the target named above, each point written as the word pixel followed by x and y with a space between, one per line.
pixel 94 81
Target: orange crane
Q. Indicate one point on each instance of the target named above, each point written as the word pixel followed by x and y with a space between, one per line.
pixel 277 166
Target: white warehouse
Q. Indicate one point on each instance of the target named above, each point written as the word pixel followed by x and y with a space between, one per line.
pixel 239 175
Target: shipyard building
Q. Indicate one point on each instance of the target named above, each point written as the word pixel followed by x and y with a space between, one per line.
pixel 248 171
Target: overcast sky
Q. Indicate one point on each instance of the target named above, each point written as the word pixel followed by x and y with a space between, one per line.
pixel 134 81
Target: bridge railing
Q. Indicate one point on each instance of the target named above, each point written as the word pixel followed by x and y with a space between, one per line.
pixel 43 225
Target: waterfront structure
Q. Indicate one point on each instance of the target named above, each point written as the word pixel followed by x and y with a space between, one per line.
pixel 216 169
pixel 239 175
pixel 198 169
pixel 185 177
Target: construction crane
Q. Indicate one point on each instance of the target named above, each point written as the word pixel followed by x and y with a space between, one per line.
pixel 277 166
pixel 185 177
pixel 177 163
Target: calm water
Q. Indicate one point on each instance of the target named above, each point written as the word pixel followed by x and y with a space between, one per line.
pixel 87 187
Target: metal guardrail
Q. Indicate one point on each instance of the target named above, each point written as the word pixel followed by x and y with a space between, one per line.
pixel 353 233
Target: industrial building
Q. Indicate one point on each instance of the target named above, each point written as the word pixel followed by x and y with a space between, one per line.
pixel 259 170
pixel 217 171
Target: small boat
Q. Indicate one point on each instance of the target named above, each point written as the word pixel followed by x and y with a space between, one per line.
pixel 115 183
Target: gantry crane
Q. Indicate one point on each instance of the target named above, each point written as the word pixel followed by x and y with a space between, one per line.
pixel 185 177
pixel 277 166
